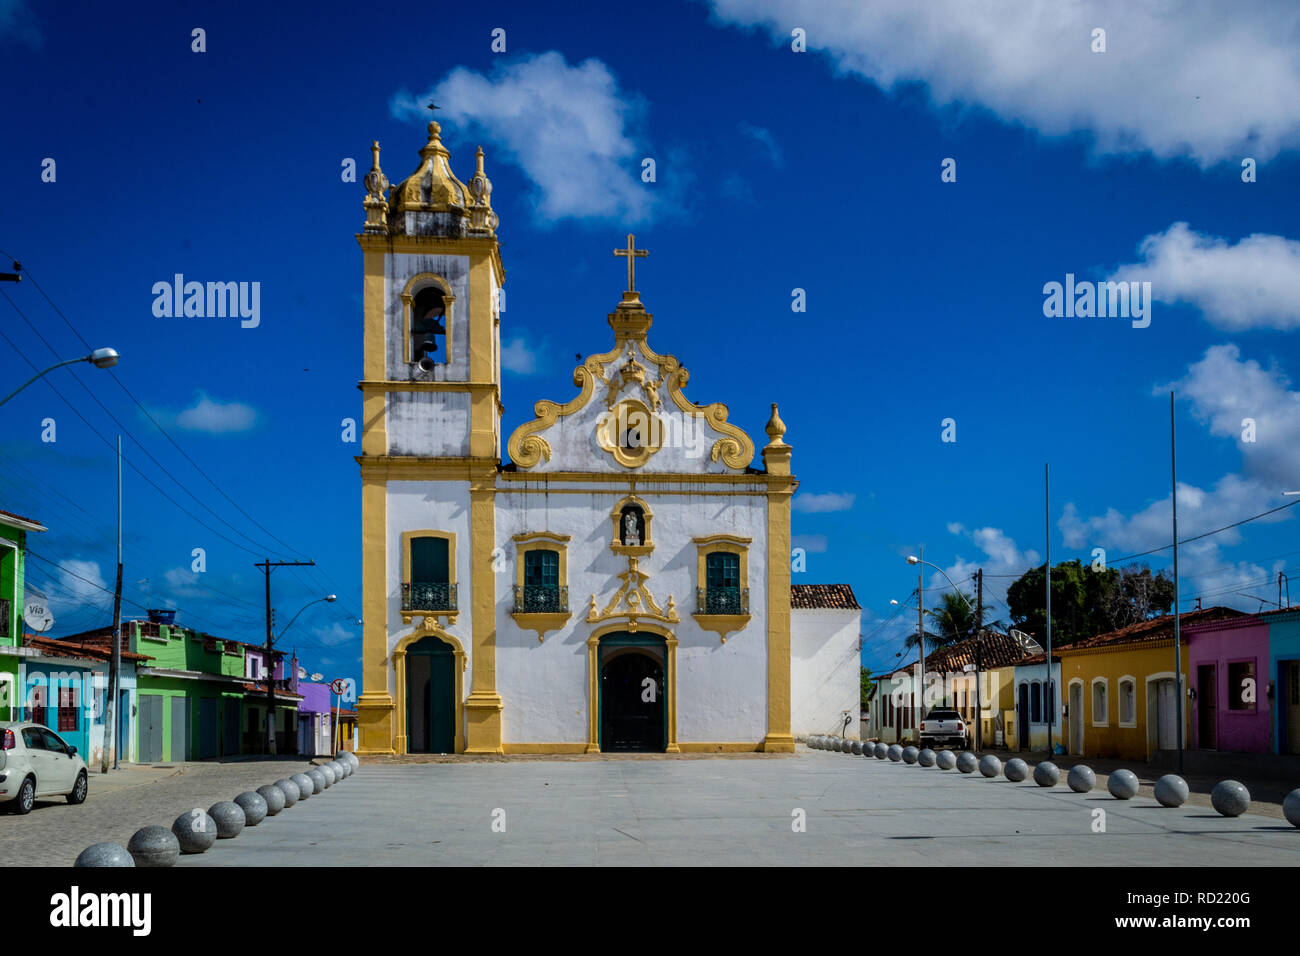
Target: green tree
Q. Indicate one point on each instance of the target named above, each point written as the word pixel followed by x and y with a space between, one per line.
pixel 866 683
pixel 1085 602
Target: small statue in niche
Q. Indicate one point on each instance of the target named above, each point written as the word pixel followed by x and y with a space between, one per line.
pixel 631 528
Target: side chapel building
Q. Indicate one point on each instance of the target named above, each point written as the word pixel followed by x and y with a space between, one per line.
pixel 621 583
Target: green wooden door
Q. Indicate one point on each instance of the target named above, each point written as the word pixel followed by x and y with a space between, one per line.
pixel 430 697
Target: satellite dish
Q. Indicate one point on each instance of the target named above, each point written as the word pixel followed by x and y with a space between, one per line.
pixel 302 672
pixel 1027 643
pixel 36 612
pixel 317 677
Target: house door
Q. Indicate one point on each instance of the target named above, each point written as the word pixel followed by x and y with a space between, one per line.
pixel 231 741
pixel 1207 703
pixel 180 735
pixel 1022 718
pixel 207 728
pixel 430 697
pixel 632 696
pixel 150 720
pixel 1076 719
pixel 1292 699
pixel 1166 715
pixel 124 720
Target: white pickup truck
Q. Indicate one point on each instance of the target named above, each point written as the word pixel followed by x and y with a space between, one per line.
pixel 945 727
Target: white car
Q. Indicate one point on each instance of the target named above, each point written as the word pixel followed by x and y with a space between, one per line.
pixel 36 762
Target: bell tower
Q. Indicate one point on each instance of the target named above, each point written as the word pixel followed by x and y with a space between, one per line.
pixel 431 397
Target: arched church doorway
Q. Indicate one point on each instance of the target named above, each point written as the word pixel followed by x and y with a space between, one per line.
pixel 633 694
pixel 430 697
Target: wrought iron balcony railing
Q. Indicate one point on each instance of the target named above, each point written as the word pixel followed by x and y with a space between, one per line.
pixel 722 600
pixel 541 599
pixel 428 597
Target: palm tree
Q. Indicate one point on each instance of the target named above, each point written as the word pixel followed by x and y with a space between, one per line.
pixel 954 616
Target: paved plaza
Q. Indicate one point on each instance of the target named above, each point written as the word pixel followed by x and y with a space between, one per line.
pixel 735 812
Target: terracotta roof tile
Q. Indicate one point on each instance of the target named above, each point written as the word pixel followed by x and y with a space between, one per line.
pixel 19 517
pixel 838 596
pixel 998 650
pixel 1154 629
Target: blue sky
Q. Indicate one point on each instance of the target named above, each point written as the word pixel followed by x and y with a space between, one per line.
pixel 776 170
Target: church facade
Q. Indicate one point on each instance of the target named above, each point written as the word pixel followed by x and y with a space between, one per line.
pixel 621 582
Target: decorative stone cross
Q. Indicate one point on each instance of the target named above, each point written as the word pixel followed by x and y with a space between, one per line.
pixel 631 253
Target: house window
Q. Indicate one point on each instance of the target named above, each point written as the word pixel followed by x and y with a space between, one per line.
pixel 722 583
pixel 541 584
pixel 1100 704
pixel 541 581
pixel 1035 703
pixel 1127 702
pixel 37 706
pixel 1241 685
pixel 430 563
pixel 67 708
pixel 722 592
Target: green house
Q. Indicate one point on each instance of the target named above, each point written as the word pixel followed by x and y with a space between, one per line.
pixel 13 559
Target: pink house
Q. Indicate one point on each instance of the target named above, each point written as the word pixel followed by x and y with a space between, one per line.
pixel 1228 667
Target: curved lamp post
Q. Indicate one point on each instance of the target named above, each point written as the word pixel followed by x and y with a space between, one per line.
pixel 100 358
pixel 979 704
pixel 329 598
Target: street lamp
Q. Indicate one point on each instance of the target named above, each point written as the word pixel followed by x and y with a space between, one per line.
pixel 329 598
pixel 100 358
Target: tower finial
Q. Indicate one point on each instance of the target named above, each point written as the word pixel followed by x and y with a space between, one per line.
pixel 775 427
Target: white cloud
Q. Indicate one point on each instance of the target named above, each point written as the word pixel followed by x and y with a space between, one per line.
pixel 81 583
pixel 570 129
pixel 1002 556
pixel 1177 79
pixel 829 501
pixel 1252 284
pixel 811 543
pixel 517 357
pixel 765 139
pixel 333 636
pixel 214 417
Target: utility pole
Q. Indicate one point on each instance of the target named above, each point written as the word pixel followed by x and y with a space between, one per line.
pixel 111 716
pixel 920 640
pixel 979 647
pixel 1178 653
pixel 267 567
pixel 1047 523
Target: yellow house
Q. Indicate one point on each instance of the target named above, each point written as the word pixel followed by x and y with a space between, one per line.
pixel 1121 696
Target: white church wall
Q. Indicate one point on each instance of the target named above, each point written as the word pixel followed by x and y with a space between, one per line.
pixel 721 689
pixel 824 671
pixel 454 270
pixel 429 506
pixel 428 423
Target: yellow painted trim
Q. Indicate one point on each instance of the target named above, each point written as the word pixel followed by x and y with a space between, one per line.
pixel 407 537
pixel 375 705
pixel 593 677
pixel 374 426
pixel 484 706
pixel 721 624
pixel 423 630
pixel 720 748
pixel 434 246
pixel 534 748
pixel 647 542
pixel 609 438
pixel 418 283
pixel 368 387
pixel 545 477
pixel 406 468
pixel 542 541
pixel 778 739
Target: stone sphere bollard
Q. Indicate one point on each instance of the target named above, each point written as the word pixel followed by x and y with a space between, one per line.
pixel 925 757
pixel 1016 770
pixel 274 796
pixel 945 760
pixel 895 753
pixel 1047 774
pixel 1122 784
pixel 352 758
pixel 306 786
pixel 833 744
pixel 229 817
pixel 990 765
pixel 811 742
pixel 195 831
pixel 880 751
pixel 104 854
pixel 328 773
pixel 342 769
pixel 857 748
pixel 1171 790
pixel 154 846
pixel 1230 798
pixel 1081 779
pixel 967 762
pixel 1291 807
pixel 290 789
pixel 254 807
pixel 910 755
pixel 317 779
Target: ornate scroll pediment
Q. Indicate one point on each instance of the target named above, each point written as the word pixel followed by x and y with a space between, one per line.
pixel 633 601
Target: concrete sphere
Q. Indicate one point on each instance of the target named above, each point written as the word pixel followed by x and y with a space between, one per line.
pixel 274 796
pixel 910 755
pixel 195 831
pixel 895 753
pixel 1230 798
pixel 318 781
pixel 1047 774
pixel 1016 770
pixel 880 751
pixel 820 742
pixel 945 760
pixel 328 773
pixel 254 807
pixel 230 819
pixel 306 787
pixel 1171 790
pixel 811 742
pixel 154 846
pixel 833 744
pixel 990 765
pixel 352 758
pixel 289 789
pixel 104 854
pixel 1291 807
pixel 925 757
pixel 857 748
pixel 967 762
pixel 342 766
pixel 1122 784
pixel 1081 779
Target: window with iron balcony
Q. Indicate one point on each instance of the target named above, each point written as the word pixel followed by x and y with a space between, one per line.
pixel 428 584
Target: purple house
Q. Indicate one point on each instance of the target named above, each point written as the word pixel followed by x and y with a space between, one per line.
pixel 1228 666
pixel 315 717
